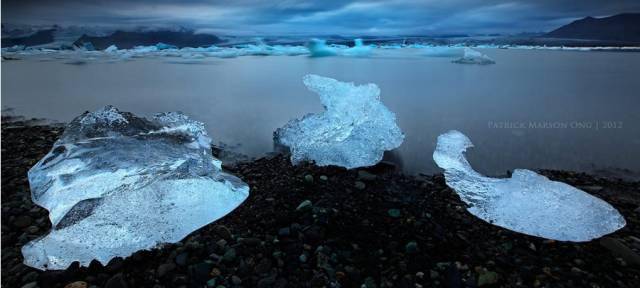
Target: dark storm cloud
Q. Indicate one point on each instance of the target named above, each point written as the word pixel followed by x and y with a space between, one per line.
pixel 318 17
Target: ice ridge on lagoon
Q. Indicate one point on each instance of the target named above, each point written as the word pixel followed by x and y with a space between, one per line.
pixel 354 130
pixel 115 183
pixel 527 202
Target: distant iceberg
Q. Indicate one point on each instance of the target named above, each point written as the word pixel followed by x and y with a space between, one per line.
pixel 474 57
pixel 111 49
pixel 319 48
pixel 164 46
pixel 354 130
pixel 527 202
pixel 358 49
pixel 115 183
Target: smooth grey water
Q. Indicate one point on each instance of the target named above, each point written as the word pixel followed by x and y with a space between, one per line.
pixel 533 109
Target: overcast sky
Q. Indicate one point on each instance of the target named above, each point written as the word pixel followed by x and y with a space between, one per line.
pixel 295 17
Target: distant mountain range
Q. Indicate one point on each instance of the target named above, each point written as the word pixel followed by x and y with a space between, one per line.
pixel 621 27
pixel 127 40
pixel 37 38
pixel 618 30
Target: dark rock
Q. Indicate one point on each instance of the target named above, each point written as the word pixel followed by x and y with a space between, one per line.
pixel 308 178
pixel 263 266
pixel 369 282
pixel 223 232
pixel 181 259
pixel 304 205
pixel 22 221
pixel 412 247
pixel 487 278
pixel 620 249
pixel 250 241
pixel 200 272
pixel 267 281
pixel 165 268
pixel 366 176
pixel 229 256
pixel 30 277
pixel 117 281
pixel 115 264
pixel 33 285
pixel 236 280
pixel 77 284
pixel 283 232
pixel 395 213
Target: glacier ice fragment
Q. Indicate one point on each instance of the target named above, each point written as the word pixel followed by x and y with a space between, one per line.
pixel 354 130
pixel 111 49
pixel 115 183
pixel 319 48
pixel 165 46
pixel 474 57
pixel 527 202
pixel 358 49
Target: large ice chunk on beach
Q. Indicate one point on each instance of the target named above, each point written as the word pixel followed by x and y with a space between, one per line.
pixel 115 183
pixel 527 202
pixel 354 130
pixel 474 57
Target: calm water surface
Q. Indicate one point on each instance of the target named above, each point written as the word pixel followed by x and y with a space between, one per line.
pixel 533 109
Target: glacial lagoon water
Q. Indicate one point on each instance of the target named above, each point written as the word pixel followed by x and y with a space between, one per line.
pixel 534 109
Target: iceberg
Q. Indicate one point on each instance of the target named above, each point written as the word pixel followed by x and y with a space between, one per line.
pixel 527 202
pixel 354 130
pixel 164 46
pixel 471 56
pixel 319 48
pixel 115 183
pixel 358 49
pixel 111 49
pixel 474 57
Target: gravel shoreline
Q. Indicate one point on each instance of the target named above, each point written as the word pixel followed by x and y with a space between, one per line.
pixel 308 226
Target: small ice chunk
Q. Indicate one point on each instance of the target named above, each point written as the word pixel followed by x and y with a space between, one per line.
pixel 115 183
pixel 474 57
pixel 443 51
pixel 354 130
pixel 14 48
pixel 111 49
pixel 319 48
pixel 144 49
pixel 165 46
pixel 527 202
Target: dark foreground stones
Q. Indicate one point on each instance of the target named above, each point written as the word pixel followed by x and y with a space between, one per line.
pixel 307 226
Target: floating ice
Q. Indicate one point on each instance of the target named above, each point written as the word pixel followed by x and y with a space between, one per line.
pixel 111 49
pixel 358 49
pixel 527 202
pixel 319 48
pixel 115 183
pixel 443 51
pixel 354 131
pixel 164 46
pixel 474 57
